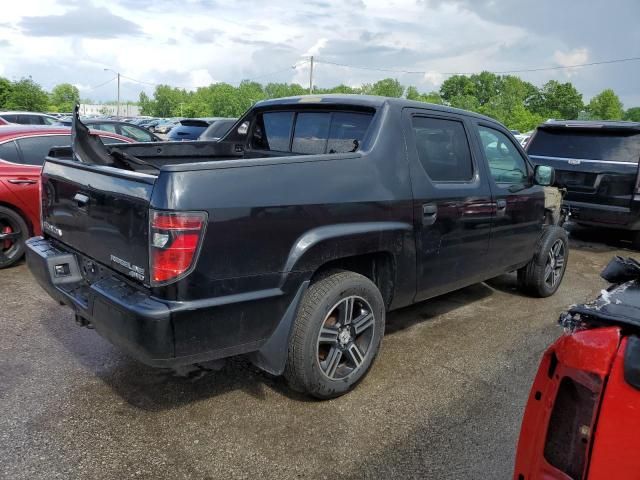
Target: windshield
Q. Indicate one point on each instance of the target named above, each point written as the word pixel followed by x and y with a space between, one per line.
pixel 613 146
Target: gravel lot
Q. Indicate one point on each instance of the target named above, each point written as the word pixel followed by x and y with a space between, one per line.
pixel 443 401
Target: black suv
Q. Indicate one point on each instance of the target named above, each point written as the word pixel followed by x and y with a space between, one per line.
pixel 597 162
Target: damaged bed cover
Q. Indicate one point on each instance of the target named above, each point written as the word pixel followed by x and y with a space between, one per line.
pixel 619 304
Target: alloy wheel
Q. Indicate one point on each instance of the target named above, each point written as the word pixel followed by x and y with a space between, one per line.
pixel 345 337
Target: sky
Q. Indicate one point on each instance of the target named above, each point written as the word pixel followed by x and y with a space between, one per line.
pixel 193 43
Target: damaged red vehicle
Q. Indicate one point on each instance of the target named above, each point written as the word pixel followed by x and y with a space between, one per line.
pixel 22 152
pixel 582 419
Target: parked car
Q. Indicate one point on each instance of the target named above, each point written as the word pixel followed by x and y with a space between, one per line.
pixel 28 118
pixel 291 237
pixel 218 129
pixel 121 128
pixel 582 419
pixel 190 128
pixel 597 162
pixel 22 152
pixel 150 125
pixel 165 127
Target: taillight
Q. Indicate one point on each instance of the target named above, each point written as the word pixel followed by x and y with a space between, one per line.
pixel 175 239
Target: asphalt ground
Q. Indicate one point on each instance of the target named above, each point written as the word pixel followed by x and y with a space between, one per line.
pixel 444 399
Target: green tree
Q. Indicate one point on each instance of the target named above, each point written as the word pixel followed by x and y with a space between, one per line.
pixel 487 86
pixel 431 97
pixel 168 101
pixel 632 114
pixel 147 105
pixel 389 87
pixel 606 106
pixel 457 86
pixel 248 93
pixel 280 90
pixel 557 100
pixel 26 94
pixel 5 91
pixel 64 97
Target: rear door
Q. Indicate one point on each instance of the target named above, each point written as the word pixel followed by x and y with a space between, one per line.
pixel 518 202
pixel 452 202
pixel 21 179
pixel 598 166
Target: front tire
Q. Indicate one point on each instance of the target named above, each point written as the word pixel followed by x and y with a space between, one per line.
pixel 13 233
pixel 542 276
pixel 336 335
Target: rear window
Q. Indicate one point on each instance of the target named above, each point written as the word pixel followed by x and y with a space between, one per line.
pixel 615 146
pixel 34 149
pixel 217 129
pixel 310 132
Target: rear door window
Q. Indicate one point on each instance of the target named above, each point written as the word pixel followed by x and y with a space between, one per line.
pixel 443 149
pixel 615 146
pixel 9 152
pixel 34 149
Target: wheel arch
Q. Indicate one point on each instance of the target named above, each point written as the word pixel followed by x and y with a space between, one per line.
pixel 372 249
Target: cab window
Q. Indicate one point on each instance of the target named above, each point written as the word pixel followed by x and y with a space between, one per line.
pixel 505 161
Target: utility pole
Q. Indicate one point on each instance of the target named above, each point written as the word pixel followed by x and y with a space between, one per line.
pixel 118 101
pixel 311 76
pixel 118 105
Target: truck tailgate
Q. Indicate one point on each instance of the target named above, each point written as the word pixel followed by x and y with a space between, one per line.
pixel 594 181
pixel 101 212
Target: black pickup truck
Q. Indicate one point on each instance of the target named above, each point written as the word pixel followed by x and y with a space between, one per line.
pixel 290 238
pixel 597 163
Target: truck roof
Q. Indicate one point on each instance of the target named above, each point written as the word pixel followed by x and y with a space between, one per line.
pixel 366 101
pixel 592 124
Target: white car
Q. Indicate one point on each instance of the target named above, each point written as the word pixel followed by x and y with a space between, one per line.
pixel 27 118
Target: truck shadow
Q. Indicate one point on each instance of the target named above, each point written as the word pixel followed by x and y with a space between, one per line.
pixel 598 239
pixel 153 389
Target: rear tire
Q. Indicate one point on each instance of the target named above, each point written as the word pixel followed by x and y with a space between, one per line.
pixel 542 276
pixel 336 335
pixel 13 233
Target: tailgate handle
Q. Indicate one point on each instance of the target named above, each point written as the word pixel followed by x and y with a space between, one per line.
pixel 81 199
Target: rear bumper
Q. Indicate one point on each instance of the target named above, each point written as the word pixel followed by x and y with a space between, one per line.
pixel 157 332
pixel 609 216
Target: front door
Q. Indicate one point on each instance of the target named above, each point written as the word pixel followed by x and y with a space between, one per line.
pixel 452 202
pixel 519 203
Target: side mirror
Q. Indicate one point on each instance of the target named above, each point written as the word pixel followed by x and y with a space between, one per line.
pixel 544 175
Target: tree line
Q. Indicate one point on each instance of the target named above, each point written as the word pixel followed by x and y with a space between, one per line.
pixel 25 94
pixel 507 98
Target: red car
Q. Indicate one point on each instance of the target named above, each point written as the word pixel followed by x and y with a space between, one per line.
pixel 22 152
pixel 582 420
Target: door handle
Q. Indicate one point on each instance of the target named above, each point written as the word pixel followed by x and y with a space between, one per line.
pixel 81 199
pixel 429 213
pixel 22 181
pixel 501 207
